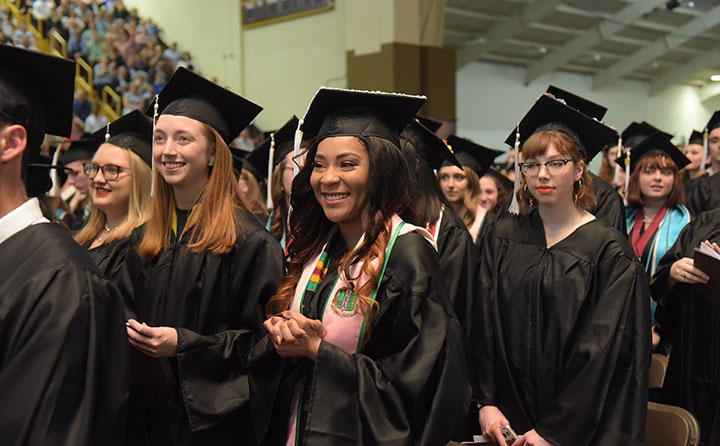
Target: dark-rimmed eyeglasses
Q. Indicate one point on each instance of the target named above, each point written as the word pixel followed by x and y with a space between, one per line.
pixel 110 172
pixel 554 167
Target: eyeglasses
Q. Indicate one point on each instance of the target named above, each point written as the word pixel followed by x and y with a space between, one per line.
pixel 110 171
pixel 553 167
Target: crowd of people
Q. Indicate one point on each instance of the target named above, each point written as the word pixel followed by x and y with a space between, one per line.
pixel 354 279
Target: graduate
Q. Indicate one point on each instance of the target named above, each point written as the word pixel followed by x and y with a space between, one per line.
pixel 691 323
pixel 63 364
pixel 562 351
pixel 363 346
pixel 704 194
pixel 209 268
pixel 461 185
pixel 280 145
pixel 119 175
pixel 77 207
pixel 495 188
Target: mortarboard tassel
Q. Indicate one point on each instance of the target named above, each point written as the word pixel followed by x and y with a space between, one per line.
pixel 627 174
pixel 152 160
pixel 107 132
pixel 514 206
pixel 616 177
pixel 55 190
pixel 296 146
pixel 271 161
pixel 706 140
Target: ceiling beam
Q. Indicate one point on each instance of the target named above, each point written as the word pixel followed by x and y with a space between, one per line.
pixel 656 49
pixel 679 74
pixel 589 39
pixel 501 31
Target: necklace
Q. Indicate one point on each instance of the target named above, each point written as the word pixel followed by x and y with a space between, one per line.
pixel 109 229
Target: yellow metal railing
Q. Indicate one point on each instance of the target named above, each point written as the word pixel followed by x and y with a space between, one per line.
pixel 84 74
pixel 111 103
pixel 36 29
pixel 58 45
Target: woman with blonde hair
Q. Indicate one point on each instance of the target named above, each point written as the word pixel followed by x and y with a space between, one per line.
pixel 562 349
pixel 208 268
pixel 119 175
pixel 462 186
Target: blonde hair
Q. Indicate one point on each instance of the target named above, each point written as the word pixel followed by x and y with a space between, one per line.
pixel 213 223
pixel 138 206
pixel 471 197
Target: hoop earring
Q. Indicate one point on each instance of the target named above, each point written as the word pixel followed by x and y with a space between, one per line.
pixel 528 196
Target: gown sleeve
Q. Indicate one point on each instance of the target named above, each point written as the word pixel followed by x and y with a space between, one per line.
pixel 609 206
pixel 603 388
pixel 698 197
pixel 63 361
pixel 212 369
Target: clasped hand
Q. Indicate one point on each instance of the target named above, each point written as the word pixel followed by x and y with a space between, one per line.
pixel 294 335
pixel 158 342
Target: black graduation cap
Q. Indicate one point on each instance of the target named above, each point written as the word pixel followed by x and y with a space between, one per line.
pixel 636 132
pixel 80 150
pixel 428 145
pixel 696 138
pixel 502 179
pixel 548 113
pixel 590 108
pixel 134 132
pixel 28 99
pixel 190 95
pixel 714 122
pixel 430 123
pixel 658 142
pixel 342 112
pixel 478 158
pixel 260 157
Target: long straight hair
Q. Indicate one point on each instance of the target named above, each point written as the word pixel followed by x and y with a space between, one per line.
pixel 138 207
pixel 389 193
pixel 213 224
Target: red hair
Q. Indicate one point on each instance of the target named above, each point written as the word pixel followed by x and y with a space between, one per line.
pixel 655 161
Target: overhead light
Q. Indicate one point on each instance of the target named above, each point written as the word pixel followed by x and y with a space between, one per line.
pixel 691 4
pixel 715 78
pixel 655 64
pixel 597 56
pixel 542 50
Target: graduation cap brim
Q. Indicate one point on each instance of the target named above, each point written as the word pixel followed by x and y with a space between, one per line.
pixel 428 145
pixel 592 134
pixel 341 112
pixel 580 104
pixel 192 96
pixel 653 144
pixel 714 121
pixel 133 131
pixel 502 179
pixel 28 98
pixel 80 150
pixel 475 156
pixel 430 123
pixel 284 138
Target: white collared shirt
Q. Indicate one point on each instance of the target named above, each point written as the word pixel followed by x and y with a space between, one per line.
pixel 26 214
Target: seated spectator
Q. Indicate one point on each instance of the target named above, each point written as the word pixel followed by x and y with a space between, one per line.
pixel 132 99
pixel 82 106
pixel 87 34
pixel 27 44
pixel 186 62
pixel 42 10
pixel 76 46
pixel 159 82
pixel 95 50
pixel 123 79
pixel 102 74
pixel 20 32
pixel 95 120
pixel 55 22
pixel 173 53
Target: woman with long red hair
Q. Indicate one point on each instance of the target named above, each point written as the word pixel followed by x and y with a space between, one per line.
pixel 207 269
pixel 372 352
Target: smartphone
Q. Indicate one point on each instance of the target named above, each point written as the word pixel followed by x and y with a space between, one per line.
pixel 509 435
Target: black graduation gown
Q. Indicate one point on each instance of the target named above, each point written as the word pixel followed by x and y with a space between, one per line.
pixel 114 259
pixel 63 346
pixel 610 206
pixel 703 195
pixel 217 304
pixel 692 322
pixel 459 265
pixel 564 344
pixel 406 386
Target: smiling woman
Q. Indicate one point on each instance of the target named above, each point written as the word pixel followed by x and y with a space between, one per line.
pixel 363 302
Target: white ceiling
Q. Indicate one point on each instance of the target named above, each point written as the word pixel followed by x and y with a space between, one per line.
pixel 608 39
